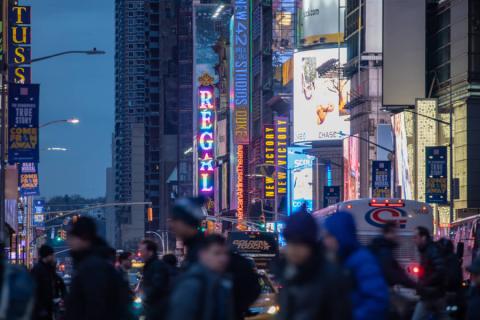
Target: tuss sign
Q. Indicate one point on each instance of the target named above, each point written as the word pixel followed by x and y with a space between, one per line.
pixel 20 39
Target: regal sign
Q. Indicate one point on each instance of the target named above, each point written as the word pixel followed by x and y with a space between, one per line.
pixel 205 138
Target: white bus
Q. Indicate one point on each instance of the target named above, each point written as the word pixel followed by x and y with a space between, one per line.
pixel 466 232
pixel 371 215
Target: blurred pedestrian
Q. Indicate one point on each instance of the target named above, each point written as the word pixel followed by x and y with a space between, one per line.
pixel 473 302
pixel 203 292
pixel 185 221
pixel 124 265
pixel 172 262
pixel 44 275
pixel 97 289
pixel 369 296
pixel 313 288
pixel 383 248
pixel 431 281
pixel 156 282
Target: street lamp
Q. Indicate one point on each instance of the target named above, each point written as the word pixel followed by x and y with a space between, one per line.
pixel 450 148
pixel 72 121
pixel 94 51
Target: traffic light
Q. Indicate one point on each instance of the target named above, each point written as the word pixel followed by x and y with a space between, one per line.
pixel 203 226
pixel 58 238
pixel 262 222
pixel 63 234
pixel 150 214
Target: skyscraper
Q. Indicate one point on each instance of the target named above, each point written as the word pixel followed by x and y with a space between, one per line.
pixel 149 76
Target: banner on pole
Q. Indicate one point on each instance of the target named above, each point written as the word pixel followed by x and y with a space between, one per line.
pixel 436 175
pixel 28 179
pixel 381 179
pixel 331 195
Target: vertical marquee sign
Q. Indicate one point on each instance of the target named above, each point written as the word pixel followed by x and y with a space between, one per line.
pixel 281 148
pixel 241 75
pixel 19 55
pixel 206 150
pixel 436 175
pixel 269 159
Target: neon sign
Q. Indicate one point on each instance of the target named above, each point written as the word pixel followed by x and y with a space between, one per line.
pixel 205 138
pixel 241 186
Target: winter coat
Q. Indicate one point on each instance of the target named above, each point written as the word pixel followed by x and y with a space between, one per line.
pixel 17 292
pixel 192 245
pixel 45 279
pixel 431 282
pixel 392 270
pixel 97 290
pixel 201 294
pixel 369 296
pixel 473 304
pixel 246 284
pixel 156 287
pixel 317 290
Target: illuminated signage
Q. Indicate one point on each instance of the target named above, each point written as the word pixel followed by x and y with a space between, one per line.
pixel 300 176
pixel 381 179
pixel 436 175
pixel 281 148
pixel 205 139
pixel 269 158
pixel 241 75
pixel 241 186
pixel 19 55
pixel 319 22
pixel 28 179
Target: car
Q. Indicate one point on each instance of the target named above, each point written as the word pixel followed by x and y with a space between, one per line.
pixel 266 307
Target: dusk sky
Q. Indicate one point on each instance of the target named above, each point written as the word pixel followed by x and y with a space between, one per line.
pixel 74 86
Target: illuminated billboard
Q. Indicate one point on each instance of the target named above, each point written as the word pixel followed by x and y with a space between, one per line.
pixel 351 167
pixel 269 158
pixel 402 155
pixel 300 167
pixel 205 138
pixel 321 22
pixel 320 96
pixel 281 143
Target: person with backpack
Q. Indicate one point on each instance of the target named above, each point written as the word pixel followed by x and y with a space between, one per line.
pixel 369 295
pixel 383 248
pixel 204 292
pixel 156 282
pixel 98 291
pixel 431 282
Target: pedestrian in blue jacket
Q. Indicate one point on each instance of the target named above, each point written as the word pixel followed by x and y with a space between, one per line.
pixel 369 296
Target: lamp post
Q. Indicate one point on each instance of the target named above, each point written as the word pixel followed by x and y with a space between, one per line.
pixel 71 121
pixel 93 51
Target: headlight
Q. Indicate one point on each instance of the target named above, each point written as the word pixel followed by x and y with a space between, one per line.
pixel 273 309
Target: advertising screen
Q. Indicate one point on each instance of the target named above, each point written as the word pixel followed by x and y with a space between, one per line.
pixel 300 166
pixel 320 96
pixel 319 22
pixel 351 149
pixel 404 171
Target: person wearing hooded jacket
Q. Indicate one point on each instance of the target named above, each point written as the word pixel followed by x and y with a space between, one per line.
pixel 313 287
pixel 97 290
pixel 369 295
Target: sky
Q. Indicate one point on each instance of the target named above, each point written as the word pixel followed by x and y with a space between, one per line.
pixel 74 86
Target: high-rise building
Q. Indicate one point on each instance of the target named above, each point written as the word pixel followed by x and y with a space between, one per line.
pixel 151 74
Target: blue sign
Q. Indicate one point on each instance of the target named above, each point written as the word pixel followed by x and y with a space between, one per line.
pixel 331 195
pixel 28 179
pixel 300 179
pixel 38 213
pixel 23 130
pixel 381 179
pixel 436 175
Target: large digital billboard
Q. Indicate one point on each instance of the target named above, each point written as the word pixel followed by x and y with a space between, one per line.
pixel 403 165
pixel 321 22
pixel 320 95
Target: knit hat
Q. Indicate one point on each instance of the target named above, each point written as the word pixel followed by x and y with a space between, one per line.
pixel 301 228
pixel 45 251
pixel 189 210
pixel 84 228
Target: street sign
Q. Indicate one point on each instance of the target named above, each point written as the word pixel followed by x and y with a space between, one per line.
pixel 436 175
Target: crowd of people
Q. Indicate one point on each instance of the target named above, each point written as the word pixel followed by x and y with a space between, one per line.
pixel 323 273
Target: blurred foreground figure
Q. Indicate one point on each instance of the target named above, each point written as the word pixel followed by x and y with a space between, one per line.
pixel 45 277
pixel 185 221
pixel 473 303
pixel 369 296
pixel 431 282
pixel 98 291
pixel 124 264
pixel 313 288
pixel 203 292
pixel 155 283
